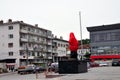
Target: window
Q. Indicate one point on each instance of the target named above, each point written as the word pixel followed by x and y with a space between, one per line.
pixel 10 45
pixel 21 53
pixel 10 53
pixel 28 29
pixel 61 45
pixel 37 31
pixel 10 35
pixel 10 27
pixel 64 45
pixel 21 44
pixel 58 44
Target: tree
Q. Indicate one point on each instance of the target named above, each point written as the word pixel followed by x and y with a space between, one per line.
pixel 85 41
pixel 87 56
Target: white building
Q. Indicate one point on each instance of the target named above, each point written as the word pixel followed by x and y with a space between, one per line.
pixel 22 43
pixel 60 48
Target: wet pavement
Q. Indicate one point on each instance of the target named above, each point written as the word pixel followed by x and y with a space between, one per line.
pixel 97 73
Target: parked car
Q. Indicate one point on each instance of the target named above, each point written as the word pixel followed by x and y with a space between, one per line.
pixel 103 63
pixel 116 62
pixel 53 67
pixel 30 69
pixel 25 69
pixel 94 64
pixel 39 69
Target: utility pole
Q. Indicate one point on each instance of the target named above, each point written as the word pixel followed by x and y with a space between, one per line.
pixel 81 35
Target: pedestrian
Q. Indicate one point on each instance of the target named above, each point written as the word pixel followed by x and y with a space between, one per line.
pixel 12 68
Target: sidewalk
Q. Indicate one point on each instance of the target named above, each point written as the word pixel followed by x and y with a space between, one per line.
pixel 5 74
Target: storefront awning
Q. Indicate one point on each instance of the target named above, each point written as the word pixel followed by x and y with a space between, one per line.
pixel 112 56
pixel 10 64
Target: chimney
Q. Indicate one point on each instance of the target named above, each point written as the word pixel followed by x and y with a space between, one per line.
pixel 61 37
pixel 55 36
pixel 9 20
pixel 36 25
pixel 21 21
pixel 1 21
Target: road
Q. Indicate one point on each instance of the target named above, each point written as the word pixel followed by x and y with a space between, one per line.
pixel 97 73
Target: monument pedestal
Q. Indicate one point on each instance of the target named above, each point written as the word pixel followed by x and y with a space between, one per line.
pixel 72 66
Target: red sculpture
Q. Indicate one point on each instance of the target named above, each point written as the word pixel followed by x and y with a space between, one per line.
pixel 73 45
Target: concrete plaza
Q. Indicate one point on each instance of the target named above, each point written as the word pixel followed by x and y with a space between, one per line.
pixel 96 73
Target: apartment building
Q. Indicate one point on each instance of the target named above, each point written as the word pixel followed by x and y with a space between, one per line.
pixel 22 44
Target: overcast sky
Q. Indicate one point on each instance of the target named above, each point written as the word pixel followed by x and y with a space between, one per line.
pixel 62 16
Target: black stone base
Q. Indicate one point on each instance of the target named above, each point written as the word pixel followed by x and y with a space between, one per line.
pixel 72 66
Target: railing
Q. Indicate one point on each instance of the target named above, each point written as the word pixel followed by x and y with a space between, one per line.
pixel 23 39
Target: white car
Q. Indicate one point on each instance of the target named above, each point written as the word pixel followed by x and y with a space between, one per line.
pixel 54 67
pixel 103 64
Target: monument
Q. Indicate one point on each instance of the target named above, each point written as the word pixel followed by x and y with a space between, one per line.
pixel 72 65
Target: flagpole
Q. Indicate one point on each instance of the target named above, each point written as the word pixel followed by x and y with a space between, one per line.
pixel 81 35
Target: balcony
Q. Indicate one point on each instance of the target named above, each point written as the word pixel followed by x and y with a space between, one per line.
pixel 54 50
pixel 24 39
pixel 43 35
pixel 37 49
pixel 38 57
pixel 49 50
pixel 49 37
pixel 49 43
pixel 31 57
pixel 30 32
pixel 43 42
pixel 49 57
pixel 22 48
pixel 25 57
pixel 23 31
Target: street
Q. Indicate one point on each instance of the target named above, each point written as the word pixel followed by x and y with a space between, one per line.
pixel 96 73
